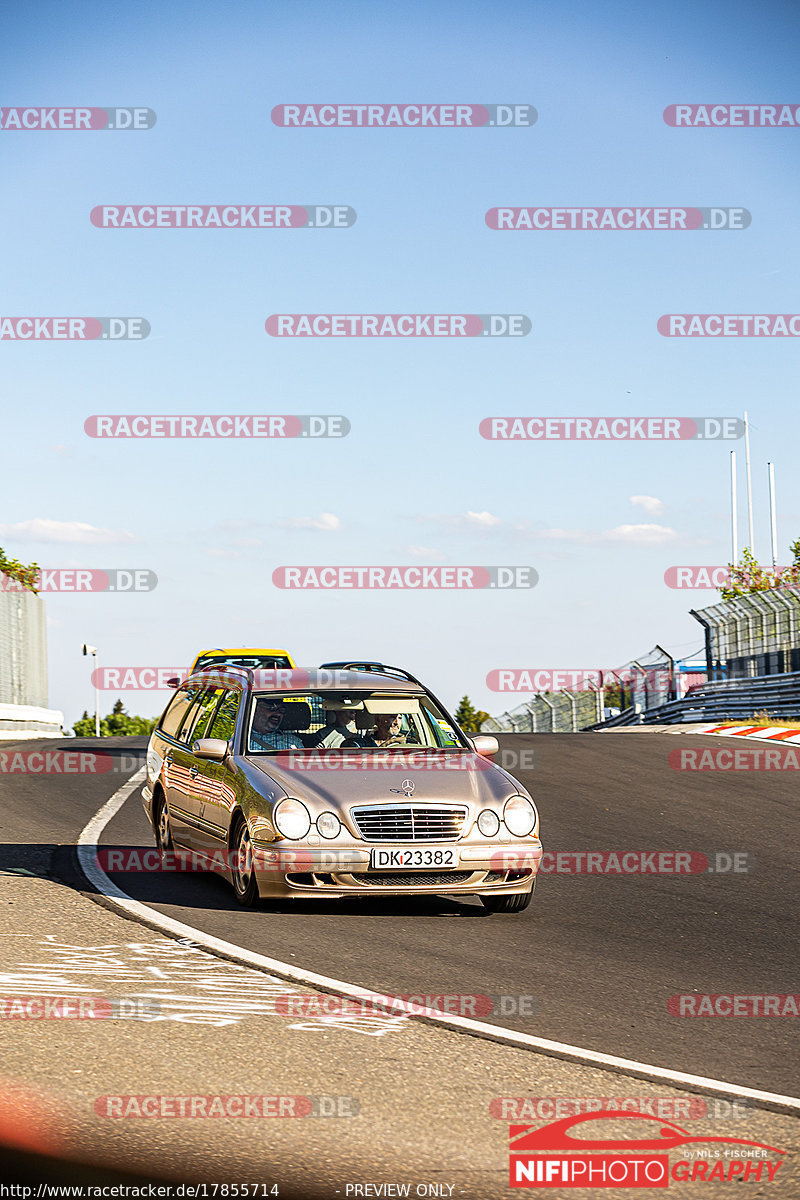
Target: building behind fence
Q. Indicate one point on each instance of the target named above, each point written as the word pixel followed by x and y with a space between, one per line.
pixel 24 711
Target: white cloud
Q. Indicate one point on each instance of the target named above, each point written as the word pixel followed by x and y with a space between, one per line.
pixel 650 504
pixel 426 552
pixel 467 520
pixel 486 519
pixel 642 535
pixel 327 522
pixel 40 529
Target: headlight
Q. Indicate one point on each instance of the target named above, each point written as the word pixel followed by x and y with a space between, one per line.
pixel 519 816
pixel 488 823
pixel 328 824
pixel 291 819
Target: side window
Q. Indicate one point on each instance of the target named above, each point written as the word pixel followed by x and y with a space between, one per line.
pixel 194 691
pixel 224 723
pixel 171 721
pixel 203 715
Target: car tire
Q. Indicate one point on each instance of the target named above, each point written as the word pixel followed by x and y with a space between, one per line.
pixel 506 904
pixel 162 828
pixel 245 886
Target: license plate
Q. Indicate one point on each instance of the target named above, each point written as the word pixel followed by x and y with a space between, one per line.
pixel 422 858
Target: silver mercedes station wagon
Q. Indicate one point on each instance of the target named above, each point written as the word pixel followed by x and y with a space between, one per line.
pixel 336 782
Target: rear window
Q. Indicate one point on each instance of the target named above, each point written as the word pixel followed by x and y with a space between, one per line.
pixel 255 662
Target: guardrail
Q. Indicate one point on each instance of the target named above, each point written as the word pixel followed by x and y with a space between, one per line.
pixel 732 699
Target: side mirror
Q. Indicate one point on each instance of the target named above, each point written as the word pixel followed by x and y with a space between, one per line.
pixel 485 744
pixel 214 749
pixel 173 682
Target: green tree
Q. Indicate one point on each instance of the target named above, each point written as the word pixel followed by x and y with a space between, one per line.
pixel 469 718
pixel 749 576
pixel 118 723
pixel 27 575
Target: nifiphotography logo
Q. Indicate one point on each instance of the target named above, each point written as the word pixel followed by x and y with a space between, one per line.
pixel 551 1157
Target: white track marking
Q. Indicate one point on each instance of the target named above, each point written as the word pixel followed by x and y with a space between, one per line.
pixel 87 856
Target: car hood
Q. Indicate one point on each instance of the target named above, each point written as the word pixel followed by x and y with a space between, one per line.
pixel 338 781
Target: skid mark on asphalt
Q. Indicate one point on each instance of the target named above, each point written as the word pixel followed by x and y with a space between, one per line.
pixel 174 981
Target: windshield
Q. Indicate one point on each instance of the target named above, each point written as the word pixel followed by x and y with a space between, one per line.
pixel 325 720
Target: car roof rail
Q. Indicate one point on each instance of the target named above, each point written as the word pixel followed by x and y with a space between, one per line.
pixel 376 668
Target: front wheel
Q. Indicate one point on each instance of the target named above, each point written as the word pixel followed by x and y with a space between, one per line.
pixel 243 871
pixel 506 904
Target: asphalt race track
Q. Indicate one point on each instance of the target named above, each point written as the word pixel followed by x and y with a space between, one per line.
pixel 600 955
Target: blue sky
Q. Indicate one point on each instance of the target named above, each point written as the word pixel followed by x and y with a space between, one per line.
pixel 213 519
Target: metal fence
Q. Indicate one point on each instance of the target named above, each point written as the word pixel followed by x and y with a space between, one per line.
pixel 556 712
pixel 23 649
pixel 753 635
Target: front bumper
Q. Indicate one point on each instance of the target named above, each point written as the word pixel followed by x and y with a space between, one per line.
pixel 295 869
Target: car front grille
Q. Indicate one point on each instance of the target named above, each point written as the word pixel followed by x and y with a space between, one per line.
pixel 409 823
pixel 416 879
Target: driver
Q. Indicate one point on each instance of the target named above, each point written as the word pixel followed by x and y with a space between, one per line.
pixel 387 730
pixel 266 732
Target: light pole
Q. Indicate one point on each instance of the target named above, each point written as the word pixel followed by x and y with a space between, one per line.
pixel 773 521
pixel 93 651
pixel 734 513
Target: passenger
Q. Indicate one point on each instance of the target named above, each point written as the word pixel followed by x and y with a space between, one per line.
pixel 266 733
pixel 341 728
